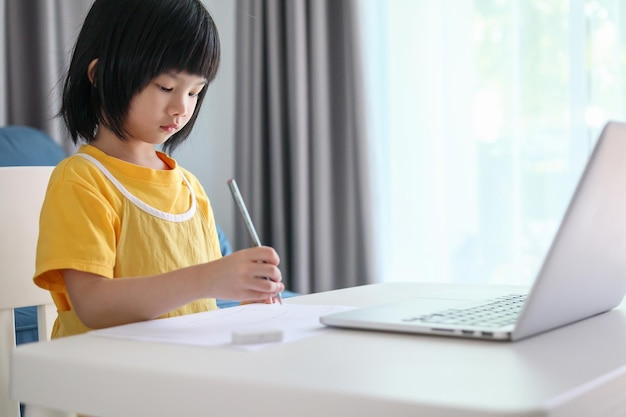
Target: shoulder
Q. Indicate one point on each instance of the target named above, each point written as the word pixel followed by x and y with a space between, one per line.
pixel 75 169
pixel 77 177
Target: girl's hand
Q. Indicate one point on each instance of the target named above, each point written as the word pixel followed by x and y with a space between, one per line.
pixel 272 300
pixel 242 276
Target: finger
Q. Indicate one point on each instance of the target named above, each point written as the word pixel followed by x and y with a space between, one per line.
pixel 265 254
pixel 265 286
pixel 258 296
pixel 257 301
pixel 268 272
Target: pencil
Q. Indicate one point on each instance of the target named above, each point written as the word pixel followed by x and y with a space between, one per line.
pixel 241 206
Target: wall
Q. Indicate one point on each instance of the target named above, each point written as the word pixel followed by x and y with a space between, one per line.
pixel 209 152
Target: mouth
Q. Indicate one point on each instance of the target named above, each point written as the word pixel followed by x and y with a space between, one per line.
pixel 169 128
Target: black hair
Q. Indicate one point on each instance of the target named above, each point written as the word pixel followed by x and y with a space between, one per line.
pixel 135 41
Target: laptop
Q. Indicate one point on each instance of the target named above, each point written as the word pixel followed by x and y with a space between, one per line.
pixel 583 273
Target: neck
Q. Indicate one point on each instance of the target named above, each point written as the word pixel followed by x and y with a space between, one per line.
pixel 131 150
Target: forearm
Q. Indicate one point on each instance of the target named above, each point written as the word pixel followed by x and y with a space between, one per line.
pixel 102 302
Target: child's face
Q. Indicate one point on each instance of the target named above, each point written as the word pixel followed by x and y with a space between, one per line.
pixel 163 107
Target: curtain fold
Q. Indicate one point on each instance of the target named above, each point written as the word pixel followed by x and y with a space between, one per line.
pixel 36 40
pixel 4 103
pixel 300 142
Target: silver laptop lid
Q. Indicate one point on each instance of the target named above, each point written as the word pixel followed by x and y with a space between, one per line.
pixel 584 272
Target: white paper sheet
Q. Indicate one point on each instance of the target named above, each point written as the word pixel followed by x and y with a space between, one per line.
pixel 215 328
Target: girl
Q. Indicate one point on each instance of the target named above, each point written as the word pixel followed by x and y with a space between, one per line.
pixel 126 234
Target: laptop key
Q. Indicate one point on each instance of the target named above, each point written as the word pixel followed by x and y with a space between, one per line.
pixel 499 312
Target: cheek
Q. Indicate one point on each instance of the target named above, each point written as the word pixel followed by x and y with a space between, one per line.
pixel 139 115
pixel 192 106
pixel 144 106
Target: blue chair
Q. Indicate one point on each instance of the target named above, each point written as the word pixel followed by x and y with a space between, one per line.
pixel 26 146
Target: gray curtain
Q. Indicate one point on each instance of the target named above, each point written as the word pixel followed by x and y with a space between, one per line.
pixel 36 38
pixel 300 145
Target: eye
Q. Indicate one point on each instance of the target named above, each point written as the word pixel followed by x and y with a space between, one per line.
pixel 163 88
pixel 195 92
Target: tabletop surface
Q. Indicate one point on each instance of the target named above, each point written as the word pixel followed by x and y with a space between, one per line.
pixel 579 369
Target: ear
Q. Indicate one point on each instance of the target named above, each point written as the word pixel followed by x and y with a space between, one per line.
pixel 91 71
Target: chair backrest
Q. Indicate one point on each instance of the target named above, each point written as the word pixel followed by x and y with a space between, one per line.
pixel 25 145
pixel 22 190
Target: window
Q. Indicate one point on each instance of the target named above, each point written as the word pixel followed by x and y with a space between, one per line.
pixel 483 114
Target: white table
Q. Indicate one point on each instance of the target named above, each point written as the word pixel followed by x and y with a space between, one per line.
pixel 578 370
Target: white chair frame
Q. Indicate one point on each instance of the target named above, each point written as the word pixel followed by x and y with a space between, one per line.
pixel 22 190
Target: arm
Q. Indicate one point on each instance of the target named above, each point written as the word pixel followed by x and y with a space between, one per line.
pixel 101 302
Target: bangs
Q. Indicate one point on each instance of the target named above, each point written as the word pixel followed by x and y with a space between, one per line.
pixel 183 40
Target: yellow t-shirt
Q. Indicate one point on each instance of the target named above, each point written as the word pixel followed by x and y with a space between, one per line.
pixel 116 219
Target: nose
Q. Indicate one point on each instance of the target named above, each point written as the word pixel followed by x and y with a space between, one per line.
pixel 179 106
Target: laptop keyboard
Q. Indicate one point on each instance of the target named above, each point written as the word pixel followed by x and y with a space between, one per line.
pixel 498 312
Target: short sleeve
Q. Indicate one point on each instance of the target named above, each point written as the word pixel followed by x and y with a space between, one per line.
pixel 77 230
